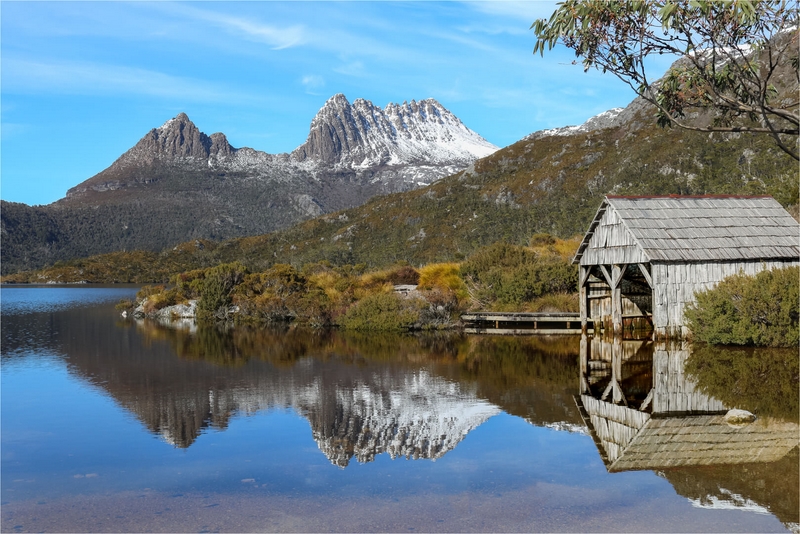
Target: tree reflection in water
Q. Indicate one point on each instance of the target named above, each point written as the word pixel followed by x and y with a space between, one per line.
pixel 359 396
pixel 764 381
pixel 359 391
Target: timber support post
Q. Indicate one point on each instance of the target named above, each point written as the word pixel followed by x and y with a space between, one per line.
pixel 583 278
pixel 617 272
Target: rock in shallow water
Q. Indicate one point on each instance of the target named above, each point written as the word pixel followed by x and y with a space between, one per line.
pixel 739 418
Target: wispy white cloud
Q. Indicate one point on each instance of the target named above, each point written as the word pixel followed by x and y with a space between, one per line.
pixel 276 36
pixel 351 68
pixel 50 77
pixel 313 83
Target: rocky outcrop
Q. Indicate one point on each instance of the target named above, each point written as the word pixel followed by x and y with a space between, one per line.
pixel 607 119
pixel 187 310
pixel 363 135
pixel 178 142
pixel 177 139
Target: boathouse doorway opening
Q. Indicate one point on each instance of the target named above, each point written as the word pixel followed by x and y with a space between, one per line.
pixel 618 299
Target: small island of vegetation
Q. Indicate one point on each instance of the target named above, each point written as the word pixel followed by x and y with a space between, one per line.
pixel 499 277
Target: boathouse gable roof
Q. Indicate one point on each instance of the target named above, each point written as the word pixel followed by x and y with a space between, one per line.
pixel 689 229
pixel 629 439
pixel 610 241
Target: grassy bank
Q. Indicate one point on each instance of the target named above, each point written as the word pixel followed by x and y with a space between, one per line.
pixel 537 277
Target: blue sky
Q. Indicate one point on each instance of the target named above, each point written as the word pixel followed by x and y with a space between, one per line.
pixel 82 82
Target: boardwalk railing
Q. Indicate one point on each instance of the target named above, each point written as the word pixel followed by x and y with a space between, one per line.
pixel 521 323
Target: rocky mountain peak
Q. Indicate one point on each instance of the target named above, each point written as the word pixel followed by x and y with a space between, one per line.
pixel 176 139
pixel 362 135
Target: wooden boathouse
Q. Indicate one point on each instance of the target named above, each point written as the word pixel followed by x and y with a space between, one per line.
pixel 643 258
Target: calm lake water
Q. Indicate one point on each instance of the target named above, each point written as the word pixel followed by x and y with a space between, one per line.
pixel 116 425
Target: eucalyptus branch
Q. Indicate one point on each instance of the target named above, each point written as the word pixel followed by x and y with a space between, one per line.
pixel 731 51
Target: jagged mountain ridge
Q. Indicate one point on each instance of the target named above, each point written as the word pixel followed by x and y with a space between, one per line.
pixel 360 137
pixel 178 183
pixel 363 135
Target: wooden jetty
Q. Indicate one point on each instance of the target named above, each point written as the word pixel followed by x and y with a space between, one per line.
pixel 516 323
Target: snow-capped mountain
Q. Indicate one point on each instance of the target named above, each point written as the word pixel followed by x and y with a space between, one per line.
pixel 363 135
pixel 397 148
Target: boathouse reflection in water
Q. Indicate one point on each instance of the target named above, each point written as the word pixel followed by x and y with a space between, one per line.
pixel 645 411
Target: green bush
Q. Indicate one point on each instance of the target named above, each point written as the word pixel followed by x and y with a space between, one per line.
pixel 282 294
pixel 125 305
pixel 190 283
pixel 158 297
pixel 380 311
pixel 757 310
pixel 511 275
pixel 217 285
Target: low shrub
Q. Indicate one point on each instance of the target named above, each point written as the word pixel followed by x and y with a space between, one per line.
pixel 444 276
pixel 216 288
pixel 555 302
pixel 281 293
pixel 441 308
pixel 125 305
pixel 404 275
pixel 759 310
pixel 504 275
pixel 190 283
pixel 381 312
pixel 147 291
pixel 157 297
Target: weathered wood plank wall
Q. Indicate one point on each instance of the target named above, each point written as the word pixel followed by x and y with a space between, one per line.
pixel 612 243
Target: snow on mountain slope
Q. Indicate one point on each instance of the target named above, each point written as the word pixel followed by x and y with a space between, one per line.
pixel 363 135
pixel 606 119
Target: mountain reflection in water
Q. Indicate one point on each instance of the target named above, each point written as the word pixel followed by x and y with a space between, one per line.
pixel 408 396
